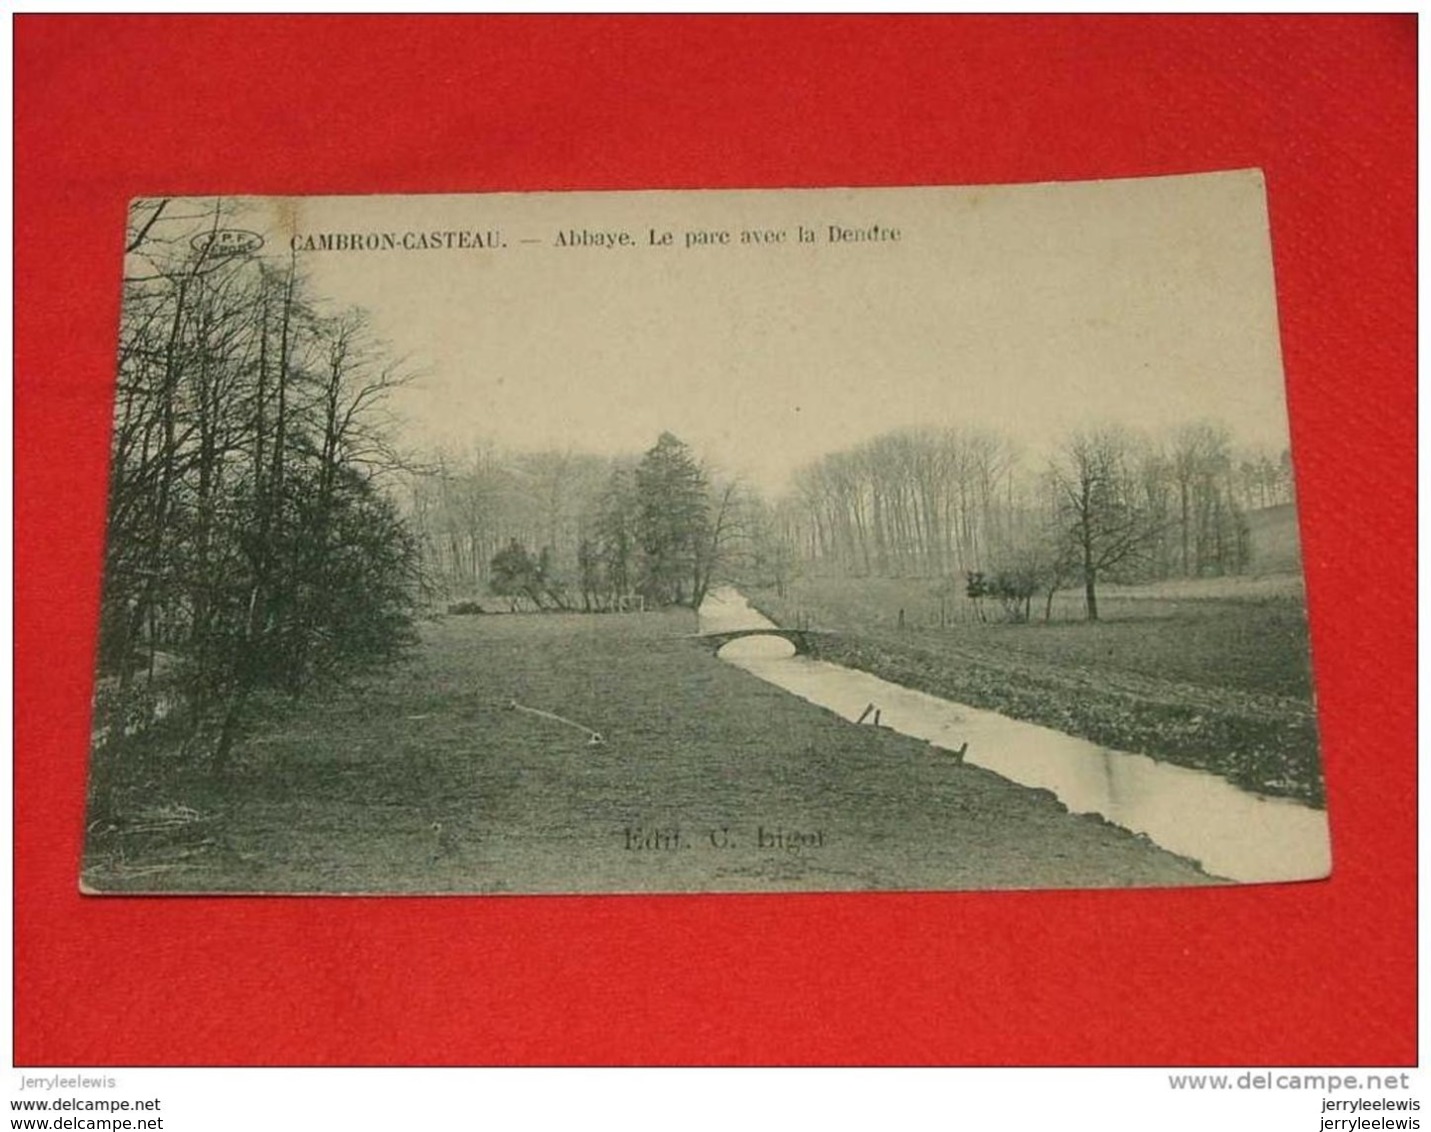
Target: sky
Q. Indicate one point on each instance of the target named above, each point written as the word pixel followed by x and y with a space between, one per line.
pixel 1032 310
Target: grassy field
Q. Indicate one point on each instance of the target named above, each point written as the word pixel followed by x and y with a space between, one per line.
pixel 1208 673
pixel 425 780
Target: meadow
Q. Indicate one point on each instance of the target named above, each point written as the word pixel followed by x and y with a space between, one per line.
pixel 1210 673
pixel 424 779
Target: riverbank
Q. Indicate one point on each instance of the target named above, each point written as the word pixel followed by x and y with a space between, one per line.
pixel 1213 677
pixel 705 779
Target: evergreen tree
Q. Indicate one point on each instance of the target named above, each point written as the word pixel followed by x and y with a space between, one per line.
pixel 673 521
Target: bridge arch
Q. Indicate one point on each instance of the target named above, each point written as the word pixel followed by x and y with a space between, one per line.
pixel 800 638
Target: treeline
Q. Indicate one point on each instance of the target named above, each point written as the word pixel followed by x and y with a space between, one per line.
pixel 466 508
pixel 917 501
pixel 1109 503
pixel 576 531
pixel 249 544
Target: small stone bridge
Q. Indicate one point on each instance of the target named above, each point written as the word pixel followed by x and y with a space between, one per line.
pixel 800 638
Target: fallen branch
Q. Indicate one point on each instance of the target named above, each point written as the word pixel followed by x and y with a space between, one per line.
pixel 593 738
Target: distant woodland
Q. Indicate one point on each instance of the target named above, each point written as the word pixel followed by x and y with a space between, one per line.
pixel 1108 504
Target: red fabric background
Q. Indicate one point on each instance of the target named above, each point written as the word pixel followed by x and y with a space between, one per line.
pixel 108 108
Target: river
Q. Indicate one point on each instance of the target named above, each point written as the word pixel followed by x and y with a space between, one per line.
pixel 1232 833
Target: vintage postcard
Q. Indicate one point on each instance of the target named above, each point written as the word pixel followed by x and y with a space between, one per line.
pixel 799 540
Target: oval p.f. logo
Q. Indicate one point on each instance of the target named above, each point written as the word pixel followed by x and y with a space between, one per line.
pixel 226 241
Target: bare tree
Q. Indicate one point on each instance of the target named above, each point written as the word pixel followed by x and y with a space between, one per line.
pixel 249 538
pixel 1100 517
